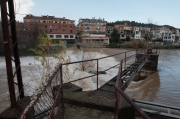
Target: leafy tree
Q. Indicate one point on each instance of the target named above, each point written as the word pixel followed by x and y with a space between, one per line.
pixel 115 36
pixel 128 38
pixel 45 53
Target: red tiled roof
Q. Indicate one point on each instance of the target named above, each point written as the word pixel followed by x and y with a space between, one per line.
pixel 46 18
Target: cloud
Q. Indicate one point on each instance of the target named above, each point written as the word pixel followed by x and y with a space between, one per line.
pixel 22 7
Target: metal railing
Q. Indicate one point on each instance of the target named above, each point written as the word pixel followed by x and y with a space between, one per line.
pixel 48 101
pixel 46 96
pixel 97 65
pixel 119 90
pixel 144 51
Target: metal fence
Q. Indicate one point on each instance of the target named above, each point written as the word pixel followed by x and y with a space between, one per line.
pixel 48 101
pixel 120 86
pixel 45 97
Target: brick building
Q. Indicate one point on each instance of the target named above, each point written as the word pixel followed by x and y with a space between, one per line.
pixel 56 28
pixel 94 31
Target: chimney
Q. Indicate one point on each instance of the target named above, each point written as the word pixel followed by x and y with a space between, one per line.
pixel 63 17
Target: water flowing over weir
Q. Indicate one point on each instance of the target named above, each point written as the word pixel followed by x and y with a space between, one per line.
pixel 143 84
pixel 76 96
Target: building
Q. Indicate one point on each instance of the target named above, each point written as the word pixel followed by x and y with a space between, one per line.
pixel 126 31
pixel 165 34
pixel 56 28
pixel 94 31
pixel 109 30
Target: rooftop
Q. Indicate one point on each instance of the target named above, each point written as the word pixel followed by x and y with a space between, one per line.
pixel 47 17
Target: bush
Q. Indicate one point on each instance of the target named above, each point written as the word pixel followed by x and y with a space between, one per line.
pixel 139 44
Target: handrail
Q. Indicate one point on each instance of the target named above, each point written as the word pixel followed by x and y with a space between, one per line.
pixel 97 59
pixel 59 69
pixel 39 94
pixel 119 91
pixel 144 115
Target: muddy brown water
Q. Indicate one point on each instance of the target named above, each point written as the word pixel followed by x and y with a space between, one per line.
pixel 164 85
pixel 161 87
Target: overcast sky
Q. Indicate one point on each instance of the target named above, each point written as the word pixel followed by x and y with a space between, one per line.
pixel 163 12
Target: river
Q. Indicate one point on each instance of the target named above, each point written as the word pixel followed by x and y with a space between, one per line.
pixel 164 85
pixel 161 87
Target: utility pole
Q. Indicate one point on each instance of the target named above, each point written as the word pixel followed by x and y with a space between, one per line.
pixel 9 32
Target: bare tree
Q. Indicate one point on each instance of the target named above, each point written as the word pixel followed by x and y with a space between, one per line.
pixel 81 56
pixel 148 32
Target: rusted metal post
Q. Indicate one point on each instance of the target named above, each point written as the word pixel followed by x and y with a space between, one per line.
pixel 144 115
pixel 121 81
pixel 125 61
pixel 156 50
pixel 116 103
pixel 97 73
pixel 117 95
pixel 61 76
pixel 6 42
pixel 15 47
pixel 137 64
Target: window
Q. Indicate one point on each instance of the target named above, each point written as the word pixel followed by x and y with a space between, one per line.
pixel 70 26
pixel 44 21
pixel 64 22
pixel 70 31
pixel 58 36
pixel 97 28
pixel 50 26
pixel 50 30
pixel 71 36
pixel 45 26
pixel 51 36
pixel 66 36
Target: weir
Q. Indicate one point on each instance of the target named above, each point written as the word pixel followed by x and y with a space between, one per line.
pixel 56 99
pixel 108 98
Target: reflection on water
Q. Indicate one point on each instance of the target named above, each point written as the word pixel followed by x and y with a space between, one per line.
pixel 163 86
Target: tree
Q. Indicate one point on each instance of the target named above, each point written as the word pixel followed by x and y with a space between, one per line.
pixel 150 26
pixel 81 56
pixel 115 36
pixel 48 58
pixel 81 33
pixel 128 38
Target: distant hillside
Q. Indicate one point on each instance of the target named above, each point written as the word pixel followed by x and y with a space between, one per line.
pixel 133 23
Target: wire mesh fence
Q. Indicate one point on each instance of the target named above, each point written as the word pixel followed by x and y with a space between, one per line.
pixel 45 97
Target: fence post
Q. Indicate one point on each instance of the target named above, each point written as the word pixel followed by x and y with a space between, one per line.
pixel 97 74
pixel 137 64
pixel 116 104
pixel 125 61
pixel 61 76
